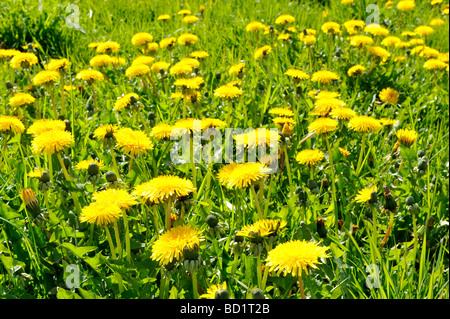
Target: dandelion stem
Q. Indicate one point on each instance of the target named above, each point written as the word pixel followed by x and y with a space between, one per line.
pixel 168 219
pixel 111 244
pixel 63 108
pixel 358 166
pixel 194 284
pixel 288 167
pixel 52 97
pixel 255 198
pixel 258 270
pixel 66 175
pixel 119 244
pixel 113 158
pixel 333 179
pixel 300 285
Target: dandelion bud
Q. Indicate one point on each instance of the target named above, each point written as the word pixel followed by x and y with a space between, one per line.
pixel 373 198
pixel 410 201
pixel 93 169
pixel 212 220
pixel 420 153
pixel 222 294
pixel 9 85
pixel 45 177
pixel 111 176
pixel 258 294
pixel 411 205
pixel 31 202
pixel 191 253
pixel 321 230
pixel 261 86
pixel 133 100
pixel 67 162
pixel 423 164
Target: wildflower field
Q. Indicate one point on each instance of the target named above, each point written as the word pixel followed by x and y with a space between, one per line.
pixel 224 149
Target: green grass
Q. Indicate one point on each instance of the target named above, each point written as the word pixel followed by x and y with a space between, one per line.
pixel 412 265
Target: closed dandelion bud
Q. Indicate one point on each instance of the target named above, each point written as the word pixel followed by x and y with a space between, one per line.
pixel 411 205
pixel 191 253
pixel 212 221
pixel 93 169
pixel 299 90
pixel 222 294
pixel 9 85
pixel 423 164
pixel 45 177
pixel 31 202
pixel 151 118
pixel 373 198
pixel 410 201
pixel 261 86
pixel 340 224
pixel 90 107
pixel 110 176
pixel 389 201
pixel 354 229
pixel 420 153
pixel 313 187
pixel 171 265
pixel 321 230
pixel 67 162
pixel 68 127
pixel 133 100
pixel 325 183
pixel 258 294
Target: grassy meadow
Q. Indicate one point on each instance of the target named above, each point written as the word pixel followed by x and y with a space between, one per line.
pixel 93 206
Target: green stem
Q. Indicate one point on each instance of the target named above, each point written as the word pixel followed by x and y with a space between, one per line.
pixel 358 166
pixel 119 244
pixel 194 284
pixel 333 183
pixel 255 198
pixel 168 219
pixel 288 167
pixel 300 285
pixel 111 244
pixel 66 174
pixel 258 271
pixel 127 237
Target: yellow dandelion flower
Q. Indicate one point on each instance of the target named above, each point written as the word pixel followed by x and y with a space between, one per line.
pixel 90 75
pixel 100 213
pixel 119 197
pixel 324 77
pixel 190 84
pixel 84 164
pixel 50 142
pixel 6 54
pixel 284 19
pixel 283 120
pixel 211 122
pixel 228 92
pixel 125 101
pixel 376 30
pixel 262 52
pixel 391 41
pixel 45 125
pixel 356 70
pixel 365 194
pixel 294 257
pixel 164 17
pixel 237 69
pixel 36 173
pixel 132 142
pixel 435 64
pixel 406 137
pixel 388 122
pixel 181 69
pixel 323 106
pixel 187 39
pixel 100 61
pixel 406 5
pixel 360 41
pixel 354 26
pixel 323 125
pixel 436 22
pixel 46 78
pixel 262 229
pixel 164 188
pixel 344 152
pixel 137 70
pixel 23 60
pixel 11 124
pixel 190 19
pixel 308 39
pixel 423 30
pixel 158 66
pixel 169 246
pixel 167 42
pixel 389 95
pixel 59 65
pixel 245 174
pixel 105 132
pixel 255 26
pixel 143 59
pixel 379 52
pixel 281 111
pixel 199 55
pixel 21 99
pixel 364 124
pixel 211 291
pixel 108 47
pixel 342 113
pixel 310 157
pixel 331 27
pixel 141 38
pixel 297 74
pixel 161 131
